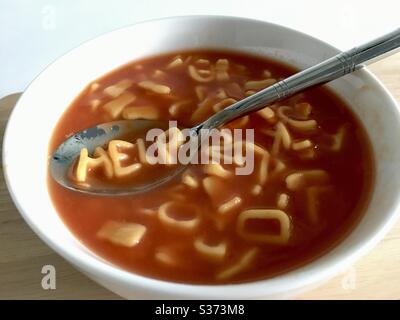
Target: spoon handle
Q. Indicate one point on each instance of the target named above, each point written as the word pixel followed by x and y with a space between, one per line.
pixel 328 70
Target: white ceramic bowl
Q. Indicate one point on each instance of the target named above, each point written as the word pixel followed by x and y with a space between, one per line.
pixel 37 111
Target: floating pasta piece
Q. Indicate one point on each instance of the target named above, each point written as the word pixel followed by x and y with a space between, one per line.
pixel 115 107
pixel 141 150
pixel 188 224
pixel 230 205
pixel 297 180
pixel 94 104
pixel 241 265
pixel 284 133
pixel 283 111
pixel 159 74
pixel 250 92
pixel 203 62
pixel 256 190
pixel 204 72
pixel 301 145
pixel 222 64
pixel 201 92
pixel 175 108
pixel 141 112
pixel 154 87
pixel 203 110
pixel 137 67
pixel 122 233
pixel 223 104
pixel 170 256
pixel 267 113
pixel 94 86
pixel 221 94
pixel 267 74
pixel 175 63
pixel 263 170
pixel 166 258
pixel 260 84
pixel 148 211
pixel 216 169
pixel 116 157
pixel 221 68
pixel 86 163
pixel 282 136
pixel 194 74
pixel 313 194
pixel 337 139
pixel 303 109
pixel 266 214
pixel 117 89
pixel 302 125
pixel 213 252
pixel 283 201
pixel 190 180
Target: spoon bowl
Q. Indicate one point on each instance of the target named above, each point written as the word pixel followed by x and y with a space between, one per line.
pixel 63 159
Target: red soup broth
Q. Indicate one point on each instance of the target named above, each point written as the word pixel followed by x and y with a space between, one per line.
pixel 316 189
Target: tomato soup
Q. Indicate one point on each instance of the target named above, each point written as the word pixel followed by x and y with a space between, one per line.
pixel 312 177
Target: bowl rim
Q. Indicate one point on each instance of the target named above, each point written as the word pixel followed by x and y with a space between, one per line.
pixel 300 277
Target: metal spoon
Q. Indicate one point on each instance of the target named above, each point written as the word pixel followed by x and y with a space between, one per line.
pixel 328 70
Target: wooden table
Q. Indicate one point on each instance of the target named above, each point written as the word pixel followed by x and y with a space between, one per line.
pixel 23 254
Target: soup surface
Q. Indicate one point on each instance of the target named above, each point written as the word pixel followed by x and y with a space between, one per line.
pixel 311 180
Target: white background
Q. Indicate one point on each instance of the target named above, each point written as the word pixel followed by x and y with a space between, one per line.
pixel 35 32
